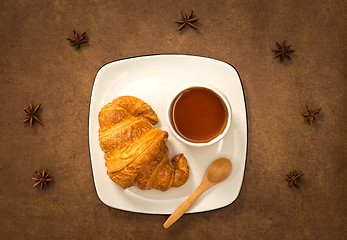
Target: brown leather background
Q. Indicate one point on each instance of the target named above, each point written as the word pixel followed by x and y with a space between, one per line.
pixel 38 65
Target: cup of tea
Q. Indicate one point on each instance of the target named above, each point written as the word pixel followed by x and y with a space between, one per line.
pixel 199 115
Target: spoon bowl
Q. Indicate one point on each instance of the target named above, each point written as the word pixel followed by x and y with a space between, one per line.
pixel 217 172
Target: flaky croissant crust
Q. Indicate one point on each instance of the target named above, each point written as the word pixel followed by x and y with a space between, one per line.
pixel 136 151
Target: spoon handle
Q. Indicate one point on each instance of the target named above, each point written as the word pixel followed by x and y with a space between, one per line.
pixel 185 205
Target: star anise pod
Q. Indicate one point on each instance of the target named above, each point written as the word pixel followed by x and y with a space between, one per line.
pixel 187 20
pixel 31 114
pixel 41 178
pixel 294 178
pixel 282 51
pixel 310 115
pixel 77 40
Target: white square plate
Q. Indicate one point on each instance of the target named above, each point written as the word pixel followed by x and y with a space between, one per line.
pixel 154 79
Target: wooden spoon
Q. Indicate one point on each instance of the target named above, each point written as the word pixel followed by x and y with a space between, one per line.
pixel 217 172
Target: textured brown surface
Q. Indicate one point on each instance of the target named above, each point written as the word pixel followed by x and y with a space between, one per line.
pixel 38 65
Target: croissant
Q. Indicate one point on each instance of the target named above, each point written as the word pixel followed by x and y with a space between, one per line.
pixel 135 151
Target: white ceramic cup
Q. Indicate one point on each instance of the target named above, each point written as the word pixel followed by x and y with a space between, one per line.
pixel 199 144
